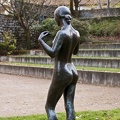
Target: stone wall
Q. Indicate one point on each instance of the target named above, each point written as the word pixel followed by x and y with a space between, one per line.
pixel 6 24
pixel 9 24
pixel 88 62
pixel 99 13
pixel 86 77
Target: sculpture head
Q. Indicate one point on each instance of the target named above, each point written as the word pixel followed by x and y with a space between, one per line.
pixel 62 12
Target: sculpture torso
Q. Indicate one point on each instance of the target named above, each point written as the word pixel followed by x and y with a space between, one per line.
pixel 68 41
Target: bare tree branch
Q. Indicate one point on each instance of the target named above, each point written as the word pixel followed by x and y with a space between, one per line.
pixel 99 3
pixel 4 6
pixel 26 12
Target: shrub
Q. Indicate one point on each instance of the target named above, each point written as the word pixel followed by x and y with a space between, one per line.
pixel 47 24
pixel 19 52
pixel 3 46
pixel 82 27
pixel 8 45
pixel 50 24
pixel 105 27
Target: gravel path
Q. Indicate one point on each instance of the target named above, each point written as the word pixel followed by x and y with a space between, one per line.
pixel 20 95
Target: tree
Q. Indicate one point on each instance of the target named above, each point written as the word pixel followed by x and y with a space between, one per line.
pixel 74 4
pixel 99 4
pixel 71 7
pixel 25 11
pixel 108 7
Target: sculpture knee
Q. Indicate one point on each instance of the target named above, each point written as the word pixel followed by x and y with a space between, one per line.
pixel 69 106
pixel 50 113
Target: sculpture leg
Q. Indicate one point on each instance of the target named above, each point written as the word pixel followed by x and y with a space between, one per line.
pixel 69 99
pixel 55 92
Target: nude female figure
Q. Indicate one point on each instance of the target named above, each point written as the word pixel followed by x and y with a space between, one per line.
pixel 65 74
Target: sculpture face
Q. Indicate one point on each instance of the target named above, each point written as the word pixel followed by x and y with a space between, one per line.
pixel 62 12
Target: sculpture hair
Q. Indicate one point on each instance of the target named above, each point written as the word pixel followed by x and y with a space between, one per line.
pixel 62 12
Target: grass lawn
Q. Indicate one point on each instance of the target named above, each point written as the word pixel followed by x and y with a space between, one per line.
pixel 86 115
pixel 74 57
pixel 114 70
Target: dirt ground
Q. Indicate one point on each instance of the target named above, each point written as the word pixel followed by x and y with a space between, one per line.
pixel 20 95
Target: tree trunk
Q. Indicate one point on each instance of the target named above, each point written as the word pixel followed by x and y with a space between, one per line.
pixel 71 7
pixel 76 14
pixel 108 7
pixel 99 4
pixel 28 41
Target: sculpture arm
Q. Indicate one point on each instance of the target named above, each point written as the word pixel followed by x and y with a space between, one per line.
pixel 52 51
pixel 76 49
pixel 77 46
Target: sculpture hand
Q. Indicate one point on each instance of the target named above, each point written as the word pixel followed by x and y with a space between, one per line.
pixel 43 34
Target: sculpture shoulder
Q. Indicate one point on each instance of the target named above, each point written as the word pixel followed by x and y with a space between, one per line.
pixel 77 33
pixel 66 32
pixel 61 35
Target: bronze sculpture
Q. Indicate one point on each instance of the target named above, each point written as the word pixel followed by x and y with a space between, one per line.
pixel 65 75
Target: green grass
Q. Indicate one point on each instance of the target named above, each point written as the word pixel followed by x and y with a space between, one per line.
pixel 85 115
pixel 114 70
pixel 74 57
pixel 27 64
pixel 99 115
pixel 90 49
pixel 100 58
pixel 32 117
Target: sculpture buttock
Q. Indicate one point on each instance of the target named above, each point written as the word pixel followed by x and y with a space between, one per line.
pixel 65 76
